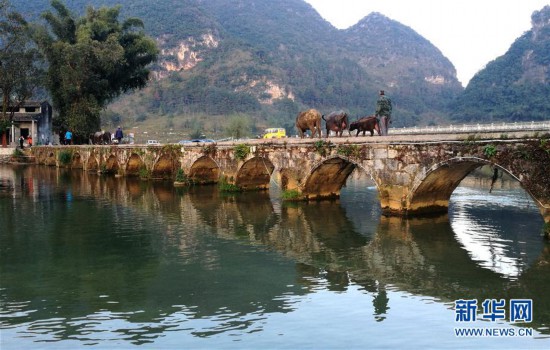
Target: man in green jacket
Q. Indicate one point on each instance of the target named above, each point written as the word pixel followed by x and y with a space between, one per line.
pixel 383 112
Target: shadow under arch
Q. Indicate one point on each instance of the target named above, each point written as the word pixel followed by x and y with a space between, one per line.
pixel 327 178
pixel 92 164
pixel 431 193
pixel 164 167
pixel 50 159
pixel 255 174
pixel 111 165
pixel 205 171
pixel 134 165
pixel 76 162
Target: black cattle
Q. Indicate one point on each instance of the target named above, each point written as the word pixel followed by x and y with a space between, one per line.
pixel 365 124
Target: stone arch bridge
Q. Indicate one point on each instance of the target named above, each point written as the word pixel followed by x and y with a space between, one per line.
pixel 414 175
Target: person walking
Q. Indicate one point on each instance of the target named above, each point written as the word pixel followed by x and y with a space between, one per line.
pixel 68 137
pixel 119 135
pixel 383 112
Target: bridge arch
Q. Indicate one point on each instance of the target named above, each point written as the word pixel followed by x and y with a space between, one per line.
pixel 50 159
pixel 134 165
pixel 92 164
pixel 164 167
pixel 76 162
pixel 327 178
pixel 205 171
pixel 431 192
pixel 111 164
pixel 255 173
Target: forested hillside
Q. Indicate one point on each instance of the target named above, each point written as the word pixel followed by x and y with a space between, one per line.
pixel 261 61
pixel 515 86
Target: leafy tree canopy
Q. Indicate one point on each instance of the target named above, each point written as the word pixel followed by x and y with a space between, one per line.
pixel 20 65
pixel 92 59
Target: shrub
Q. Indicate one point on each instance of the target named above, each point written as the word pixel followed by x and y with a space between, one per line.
pixel 323 147
pixel 241 151
pixel 349 150
pixel 291 194
pixel 225 186
pixel 490 151
pixel 65 157
pixel 144 173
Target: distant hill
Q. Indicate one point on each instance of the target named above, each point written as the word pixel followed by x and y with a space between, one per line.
pixel 269 59
pixel 515 86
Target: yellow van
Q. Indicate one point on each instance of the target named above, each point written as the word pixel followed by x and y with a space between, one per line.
pixel 274 133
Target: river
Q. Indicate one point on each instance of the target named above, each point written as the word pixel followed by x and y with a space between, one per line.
pixel 91 261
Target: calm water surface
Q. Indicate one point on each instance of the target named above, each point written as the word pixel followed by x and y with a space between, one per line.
pixel 99 262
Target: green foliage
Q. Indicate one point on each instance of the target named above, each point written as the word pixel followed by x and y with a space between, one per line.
pixel 349 150
pixel 490 151
pixel 171 148
pixel 17 152
pixel 144 174
pixel 241 151
pixel 180 175
pixel 225 186
pixel 323 147
pixel 239 126
pixel 513 87
pixel 20 62
pixel 209 149
pixel 65 157
pixel 261 43
pixel 290 194
pixel 182 178
pixel 91 60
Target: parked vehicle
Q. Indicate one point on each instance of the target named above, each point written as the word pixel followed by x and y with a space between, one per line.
pixel 182 142
pixel 274 133
pixel 153 143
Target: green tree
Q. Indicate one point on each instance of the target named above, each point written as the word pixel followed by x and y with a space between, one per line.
pixel 92 60
pixel 238 127
pixel 20 65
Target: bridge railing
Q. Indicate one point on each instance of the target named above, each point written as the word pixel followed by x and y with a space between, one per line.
pixel 472 128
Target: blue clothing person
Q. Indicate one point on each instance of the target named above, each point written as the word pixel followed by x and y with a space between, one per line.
pixel 119 135
pixel 68 137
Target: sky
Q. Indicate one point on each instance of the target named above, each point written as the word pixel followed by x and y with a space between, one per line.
pixel 470 33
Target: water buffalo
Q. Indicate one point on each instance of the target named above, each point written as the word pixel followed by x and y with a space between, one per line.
pixel 365 124
pixel 336 121
pixel 309 120
pixel 101 138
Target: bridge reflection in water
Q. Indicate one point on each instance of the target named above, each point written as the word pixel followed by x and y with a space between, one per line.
pixel 161 250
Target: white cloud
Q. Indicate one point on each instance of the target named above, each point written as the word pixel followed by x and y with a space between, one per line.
pixel 470 33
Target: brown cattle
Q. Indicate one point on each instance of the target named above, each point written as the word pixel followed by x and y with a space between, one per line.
pixel 309 120
pixel 365 124
pixel 336 121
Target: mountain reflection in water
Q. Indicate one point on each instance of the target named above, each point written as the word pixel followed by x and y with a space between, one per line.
pixel 99 259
